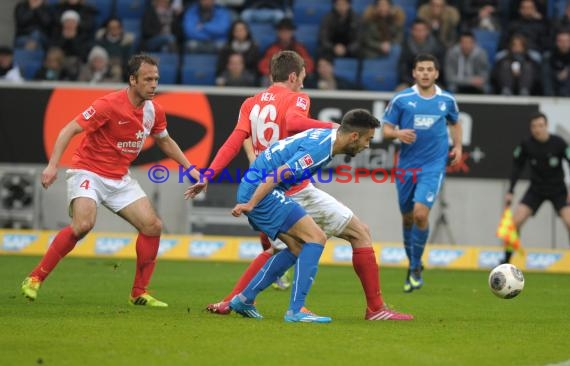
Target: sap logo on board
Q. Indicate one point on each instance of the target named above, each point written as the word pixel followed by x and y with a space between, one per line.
pixel 106 245
pixel 17 242
pixel 166 245
pixel 490 258
pixel 249 249
pixel 342 253
pixel 204 248
pixel 392 255
pixel 444 257
pixel 542 260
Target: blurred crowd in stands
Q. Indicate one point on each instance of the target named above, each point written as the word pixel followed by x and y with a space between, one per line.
pixel 508 47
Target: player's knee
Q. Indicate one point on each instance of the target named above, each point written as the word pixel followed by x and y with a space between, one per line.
pixel 318 237
pixel 153 228
pixel 82 227
pixel 421 218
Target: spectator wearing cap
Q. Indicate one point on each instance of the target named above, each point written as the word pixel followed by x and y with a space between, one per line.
pixel 9 71
pixel 98 69
pixel 285 41
pixel 338 32
pixel 33 20
pixel 74 45
pixel 206 26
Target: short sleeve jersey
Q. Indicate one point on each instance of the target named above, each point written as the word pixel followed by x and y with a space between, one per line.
pixel 115 132
pixel 304 153
pixel 428 117
pixel 263 116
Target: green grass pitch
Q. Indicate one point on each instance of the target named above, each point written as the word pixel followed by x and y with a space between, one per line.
pixel 82 317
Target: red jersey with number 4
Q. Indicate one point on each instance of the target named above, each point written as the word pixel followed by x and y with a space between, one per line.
pixel 115 132
pixel 263 118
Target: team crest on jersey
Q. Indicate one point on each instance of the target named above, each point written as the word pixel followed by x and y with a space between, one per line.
pixel 301 103
pixel 89 112
pixel 442 106
pixel 306 161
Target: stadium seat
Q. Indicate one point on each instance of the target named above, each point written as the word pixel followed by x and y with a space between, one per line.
pixel 489 41
pixel 29 61
pixel 347 68
pixel 379 74
pixel 308 35
pixel 167 66
pixel 133 26
pixel 360 5
pixel 199 69
pixel 310 11
pixel 264 34
pixel 104 10
pixel 129 9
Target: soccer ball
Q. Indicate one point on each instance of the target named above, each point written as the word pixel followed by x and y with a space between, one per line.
pixel 506 281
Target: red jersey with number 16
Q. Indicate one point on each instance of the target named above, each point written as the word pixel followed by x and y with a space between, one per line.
pixel 115 132
pixel 263 118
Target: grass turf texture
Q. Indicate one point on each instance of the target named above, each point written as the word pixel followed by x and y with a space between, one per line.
pixel 81 317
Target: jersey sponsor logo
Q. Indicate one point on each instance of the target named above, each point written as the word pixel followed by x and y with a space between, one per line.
pixel 166 245
pixel 106 245
pixel 204 248
pixel 17 242
pixel 342 253
pixel 490 258
pixel 542 260
pixel 424 121
pixel 306 161
pixel 249 249
pixel 444 257
pixel 89 112
pixel 393 255
pixel 302 103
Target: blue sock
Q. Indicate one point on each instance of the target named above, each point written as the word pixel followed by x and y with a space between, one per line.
pixel 408 242
pixel 419 240
pixel 274 268
pixel 305 272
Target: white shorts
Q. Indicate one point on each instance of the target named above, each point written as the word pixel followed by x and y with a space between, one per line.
pixel 331 215
pixel 116 194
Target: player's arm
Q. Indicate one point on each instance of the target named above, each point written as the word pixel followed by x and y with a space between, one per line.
pixel 171 149
pixel 49 175
pixel 391 132
pixel 248 148
pixel 298 122
pixel 519 159
pixel 456 136
pixel 262 190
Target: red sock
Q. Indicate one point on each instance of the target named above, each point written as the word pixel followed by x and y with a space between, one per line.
pixel 249 273
pixel 62 244
pixel 364 263
pixel 264 239
pixel 147 248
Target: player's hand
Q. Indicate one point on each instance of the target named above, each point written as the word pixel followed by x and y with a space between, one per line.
pixel 455 155
pixel 407 136
pixel 508 199
pixel 49 175
pixel 195 189
pixel 241 208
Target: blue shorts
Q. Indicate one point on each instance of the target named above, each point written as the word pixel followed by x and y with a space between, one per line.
pixel 424 190
pixel 275 214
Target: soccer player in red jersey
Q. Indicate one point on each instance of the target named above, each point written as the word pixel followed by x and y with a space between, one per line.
pixel 278 112
pixel 116 126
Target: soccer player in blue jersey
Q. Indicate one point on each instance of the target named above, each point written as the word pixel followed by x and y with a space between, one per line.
pixel 261 196
pixel 418 117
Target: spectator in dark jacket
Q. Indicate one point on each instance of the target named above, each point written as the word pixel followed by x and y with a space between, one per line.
pixel 240 40
pixel 338 32
pixel 160 27
pixel 556 67
pixel 33 24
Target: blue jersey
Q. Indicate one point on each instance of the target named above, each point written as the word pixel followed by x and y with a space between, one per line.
pixel 304 153
pixel 428 117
